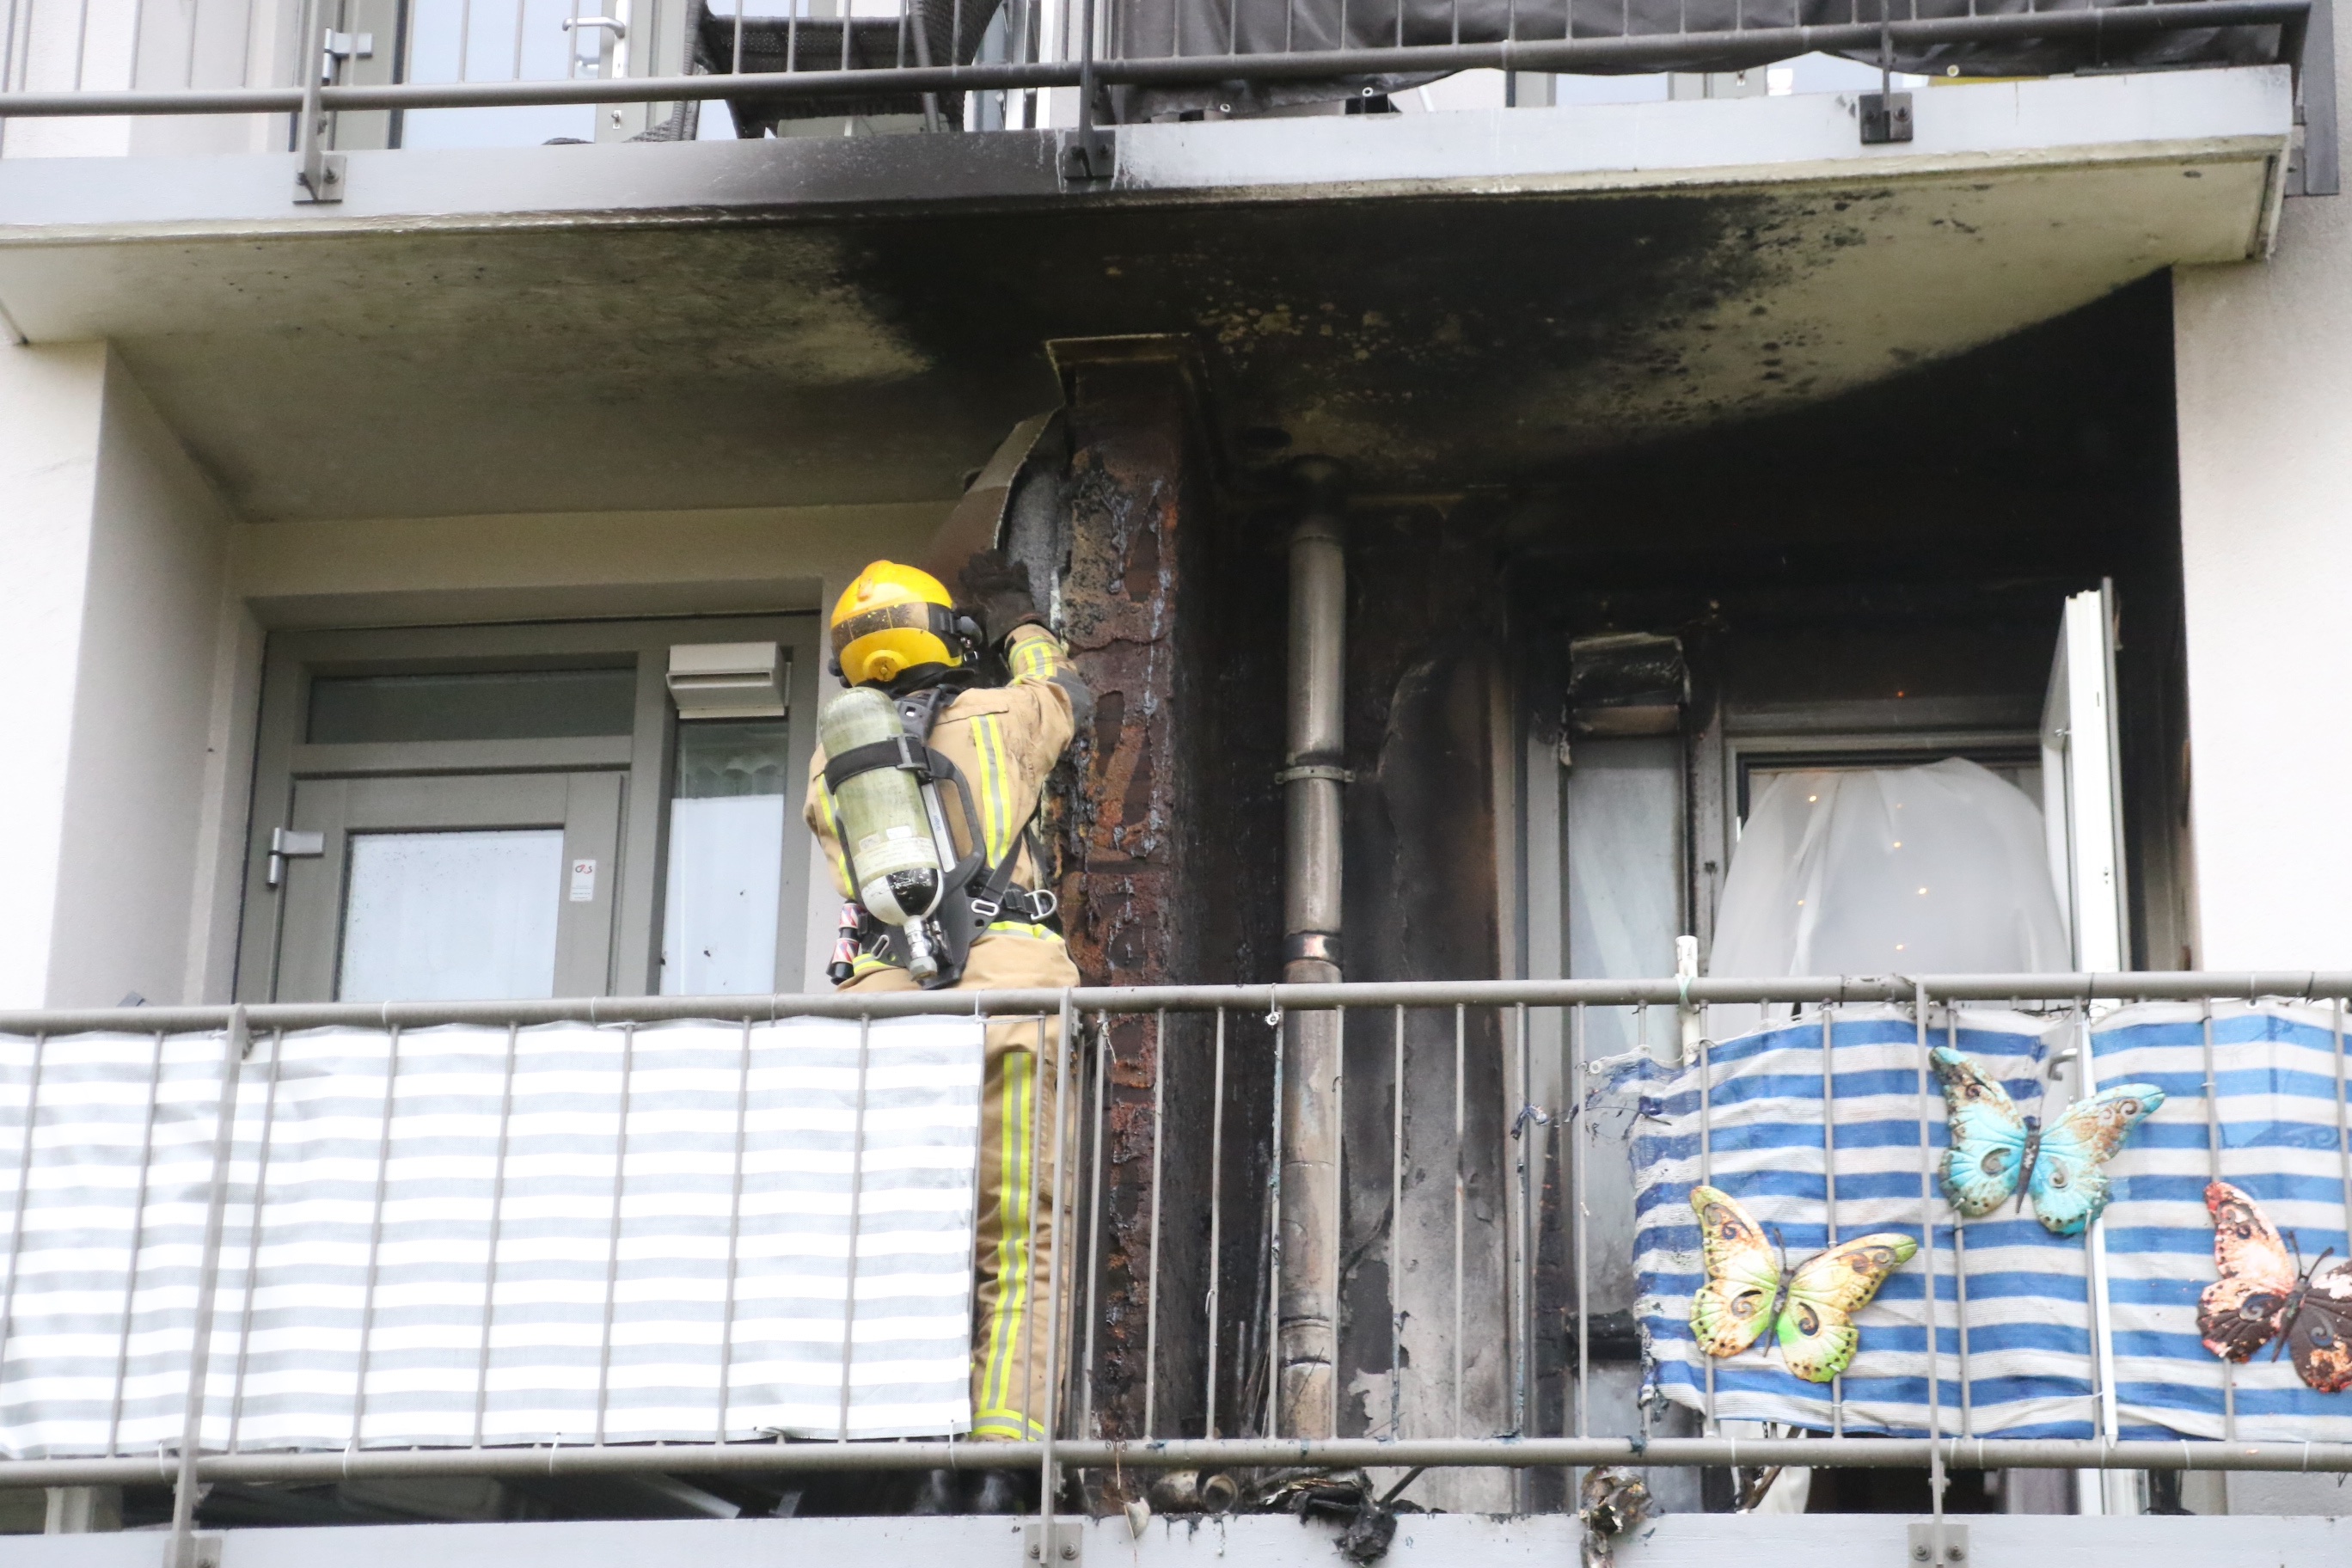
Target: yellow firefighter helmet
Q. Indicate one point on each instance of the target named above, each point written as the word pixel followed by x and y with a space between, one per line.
pixel 893 619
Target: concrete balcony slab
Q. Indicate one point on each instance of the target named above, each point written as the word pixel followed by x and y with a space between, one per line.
pixel 1440 299
pixel 1423 1540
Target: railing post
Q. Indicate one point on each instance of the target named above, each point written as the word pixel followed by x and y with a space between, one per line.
pixel 182 1551
pixel 318 178
pixel 2315 62
pixel 1090 153
pixel 1937 1541
pixel 1050 1473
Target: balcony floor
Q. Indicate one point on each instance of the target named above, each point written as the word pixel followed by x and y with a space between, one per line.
pixel 1438 1541
pixel 1442 300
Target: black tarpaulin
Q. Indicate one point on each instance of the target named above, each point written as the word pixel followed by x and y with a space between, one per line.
pixel 1160 29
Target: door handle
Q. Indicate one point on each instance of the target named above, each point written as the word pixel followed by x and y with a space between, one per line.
pixel 285 845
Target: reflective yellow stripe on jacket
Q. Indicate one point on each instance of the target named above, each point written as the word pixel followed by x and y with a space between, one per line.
pixel 1035 659
pixel 995 786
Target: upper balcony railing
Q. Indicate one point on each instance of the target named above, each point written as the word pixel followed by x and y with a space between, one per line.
pixel 326 77
pixel 288 1244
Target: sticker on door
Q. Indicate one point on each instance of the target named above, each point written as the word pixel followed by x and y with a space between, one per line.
pixel 583 882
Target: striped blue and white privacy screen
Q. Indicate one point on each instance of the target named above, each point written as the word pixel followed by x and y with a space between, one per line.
pixel 2015 1330
pixel 465 1235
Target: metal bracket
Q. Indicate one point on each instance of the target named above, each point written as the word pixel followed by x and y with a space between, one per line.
pixel 1316 771
pixel 1315 946
pixel 320 179
pixel 352 45
pixel 1885 117
pixel 193 1551
pixel 284 846
pixel 1069 1541
pixel 1089 153
pixel 1924 1535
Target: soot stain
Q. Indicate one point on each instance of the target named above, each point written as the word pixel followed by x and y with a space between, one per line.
pixel 1407 336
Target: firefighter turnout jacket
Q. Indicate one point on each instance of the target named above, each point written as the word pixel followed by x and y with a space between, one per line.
pixel 1005 741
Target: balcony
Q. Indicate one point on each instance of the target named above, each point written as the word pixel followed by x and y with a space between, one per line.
pixel 312 1267
pixel 1552 278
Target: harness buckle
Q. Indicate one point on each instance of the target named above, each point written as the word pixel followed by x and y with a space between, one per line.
pixel 987 909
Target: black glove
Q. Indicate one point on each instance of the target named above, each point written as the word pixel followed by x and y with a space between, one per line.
pixel 996 590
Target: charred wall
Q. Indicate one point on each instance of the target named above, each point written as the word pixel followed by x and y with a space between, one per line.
pixel 1424 730
pixel 1915 538
pixel 1167 828
pixel 1132 507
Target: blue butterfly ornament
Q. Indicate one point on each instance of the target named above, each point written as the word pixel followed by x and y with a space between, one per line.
pixel 1996 1151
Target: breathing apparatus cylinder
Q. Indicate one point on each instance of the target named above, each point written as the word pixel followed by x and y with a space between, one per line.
pixel 885 825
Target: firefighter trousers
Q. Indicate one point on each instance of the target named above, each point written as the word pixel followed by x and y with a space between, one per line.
pixel 1018 1231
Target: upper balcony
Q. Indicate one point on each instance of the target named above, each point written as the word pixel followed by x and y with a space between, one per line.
pixel 1589 228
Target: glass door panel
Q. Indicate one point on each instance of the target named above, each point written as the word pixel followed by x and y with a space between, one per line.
pixel 727 822
pixel 433 917
pixel 450 887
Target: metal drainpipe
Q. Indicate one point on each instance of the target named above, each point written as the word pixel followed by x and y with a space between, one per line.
pixel 1306 1401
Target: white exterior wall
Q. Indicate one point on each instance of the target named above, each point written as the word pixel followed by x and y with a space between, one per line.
pixel 116 548
pixel 50 415
pixel 143 694
pixel 2264 358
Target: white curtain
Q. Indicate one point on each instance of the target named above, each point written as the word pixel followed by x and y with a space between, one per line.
pixel 1939 869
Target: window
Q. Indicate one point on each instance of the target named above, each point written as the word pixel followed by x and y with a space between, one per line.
pixel 473 705
pixel 729 806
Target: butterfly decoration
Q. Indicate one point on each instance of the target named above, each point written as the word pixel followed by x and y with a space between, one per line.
pixel 1998 1152
pixel 2260 1296
pixel 1810 1309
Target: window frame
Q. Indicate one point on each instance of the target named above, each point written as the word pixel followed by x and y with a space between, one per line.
pixel 644 759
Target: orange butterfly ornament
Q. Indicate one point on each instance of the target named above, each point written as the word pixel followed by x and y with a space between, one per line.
pixel 2262 1296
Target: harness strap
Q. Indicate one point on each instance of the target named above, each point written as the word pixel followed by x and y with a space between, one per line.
pixel 986 891
pixel 902 751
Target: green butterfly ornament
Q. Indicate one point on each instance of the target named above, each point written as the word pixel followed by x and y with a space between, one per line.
pixel 1998 1154
pixel 1810 1309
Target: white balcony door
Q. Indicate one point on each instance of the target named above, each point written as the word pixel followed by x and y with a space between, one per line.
pixel 2082 796
pixel 2083 816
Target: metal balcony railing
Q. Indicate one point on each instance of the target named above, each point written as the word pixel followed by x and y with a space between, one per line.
pixel 1496 1137
pixel 977 64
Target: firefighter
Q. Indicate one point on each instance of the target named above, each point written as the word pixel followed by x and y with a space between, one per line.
pixel 895 629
